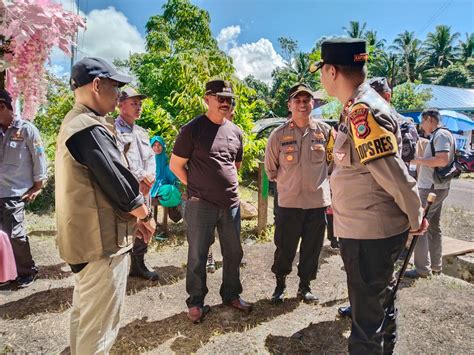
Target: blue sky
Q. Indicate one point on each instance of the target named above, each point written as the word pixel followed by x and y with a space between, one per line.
pixel 248 29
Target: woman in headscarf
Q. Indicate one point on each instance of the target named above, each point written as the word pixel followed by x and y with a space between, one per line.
pixel 164 176
pixel 164 188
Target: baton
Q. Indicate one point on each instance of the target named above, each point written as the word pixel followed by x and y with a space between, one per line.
pixel 429 201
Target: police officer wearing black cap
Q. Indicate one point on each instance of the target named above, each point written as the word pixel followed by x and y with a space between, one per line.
pixel 99 208
pixel 375 201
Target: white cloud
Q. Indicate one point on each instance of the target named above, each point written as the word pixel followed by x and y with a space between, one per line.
pixel 258 58
pixel 108 35
pixel 227 37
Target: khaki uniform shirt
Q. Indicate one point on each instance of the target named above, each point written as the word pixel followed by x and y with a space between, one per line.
pixel 134 142
pixel 373 196
pixel 296 159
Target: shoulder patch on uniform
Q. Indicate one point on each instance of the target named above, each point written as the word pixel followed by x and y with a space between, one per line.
pixel 372 141
pixel 358 117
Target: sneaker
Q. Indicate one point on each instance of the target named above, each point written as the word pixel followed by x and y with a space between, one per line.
pixel 25 281
pixel 436 273
pixel 159 237
pixel 413 274
pixel 211 264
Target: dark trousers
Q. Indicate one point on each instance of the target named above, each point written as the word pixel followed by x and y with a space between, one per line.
pixel 369 266
pixel 202 218
pixel 330 227
pixel 139 247
pixel 291 224
pixel 12 222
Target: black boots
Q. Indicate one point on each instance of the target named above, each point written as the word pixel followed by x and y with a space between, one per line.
pixel 280 289
pixel 139 269
pixel 304 293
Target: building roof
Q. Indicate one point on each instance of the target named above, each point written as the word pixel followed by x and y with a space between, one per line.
pixel 449 98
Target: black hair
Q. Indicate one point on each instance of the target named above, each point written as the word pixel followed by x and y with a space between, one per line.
pixel 431 112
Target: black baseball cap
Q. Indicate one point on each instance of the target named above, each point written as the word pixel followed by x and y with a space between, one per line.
pixel 299 88
pixel 6 98
pixel 129 92
pixel 220 88
pixel 87 69
pixel 342 51
pixel 379 84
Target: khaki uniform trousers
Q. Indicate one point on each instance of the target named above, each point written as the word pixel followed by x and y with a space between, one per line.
pixel 97 301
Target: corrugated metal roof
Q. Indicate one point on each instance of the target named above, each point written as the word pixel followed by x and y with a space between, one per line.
pixel 449 98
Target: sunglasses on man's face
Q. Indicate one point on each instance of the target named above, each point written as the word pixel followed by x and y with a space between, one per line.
pixel 222 99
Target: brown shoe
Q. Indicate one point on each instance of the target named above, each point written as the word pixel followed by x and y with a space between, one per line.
pixel 240 304
pixel 196 314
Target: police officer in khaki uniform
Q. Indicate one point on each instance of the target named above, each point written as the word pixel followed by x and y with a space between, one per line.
pixel 134 142
pixel 375 201
pixel 295 158
pixel 22 172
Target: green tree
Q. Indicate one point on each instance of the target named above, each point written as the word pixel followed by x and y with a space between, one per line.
pixel 288 47
pixel 385 64
pixel 465 49
pixel 181 57
pixel 409 49
pixel 439 47
pixel 373 41
pixel 355 29
pixel 455 75
pixel 406 97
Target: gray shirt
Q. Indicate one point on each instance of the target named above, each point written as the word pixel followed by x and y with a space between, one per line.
pixel 134 142
pixel 22 158
pixel 443 141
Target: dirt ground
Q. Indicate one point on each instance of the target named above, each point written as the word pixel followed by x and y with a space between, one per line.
pixel 435 315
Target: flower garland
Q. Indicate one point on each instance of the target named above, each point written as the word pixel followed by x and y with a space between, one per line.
pixel 32 28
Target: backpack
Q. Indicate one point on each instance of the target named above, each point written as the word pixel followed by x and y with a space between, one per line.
pixel 409 139
pixel 450 171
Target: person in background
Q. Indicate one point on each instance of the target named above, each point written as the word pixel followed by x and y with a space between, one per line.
pixel 439 152
pixel 22 173
pixel 163 175
pixel 134 143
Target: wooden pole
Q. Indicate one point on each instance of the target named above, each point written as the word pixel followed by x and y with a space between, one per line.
pixel 262 198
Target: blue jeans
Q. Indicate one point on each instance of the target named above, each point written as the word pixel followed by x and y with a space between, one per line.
pixel 202 218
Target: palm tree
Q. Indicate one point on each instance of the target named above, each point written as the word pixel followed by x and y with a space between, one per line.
pixel 300 70
pixel 409 49
pixel 355 29
pixel 439 47
pixel 465 49
pixel 387 65
pixel 371 37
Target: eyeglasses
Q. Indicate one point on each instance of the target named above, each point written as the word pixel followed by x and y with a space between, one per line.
pixel 222 99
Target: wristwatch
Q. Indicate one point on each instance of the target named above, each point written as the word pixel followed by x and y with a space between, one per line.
pixel 147 217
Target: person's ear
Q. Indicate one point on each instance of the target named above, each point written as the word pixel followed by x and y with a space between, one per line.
pixel 95 85
pixel 206 100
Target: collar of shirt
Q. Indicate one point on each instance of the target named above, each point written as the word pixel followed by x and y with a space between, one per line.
pixel 122 123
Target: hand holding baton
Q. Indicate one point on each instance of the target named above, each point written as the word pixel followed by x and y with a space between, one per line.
pixel 429 201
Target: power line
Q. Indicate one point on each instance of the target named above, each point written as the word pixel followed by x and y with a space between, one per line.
pixel 435 15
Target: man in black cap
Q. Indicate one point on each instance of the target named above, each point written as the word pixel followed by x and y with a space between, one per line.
pixel 134 142
pixel 207 153
pixel 99 208
pixel 374 199
pixel 22 172
pixel 295 157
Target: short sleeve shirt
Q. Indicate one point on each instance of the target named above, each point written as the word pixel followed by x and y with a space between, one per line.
pixel 212 151
pixel 443 141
